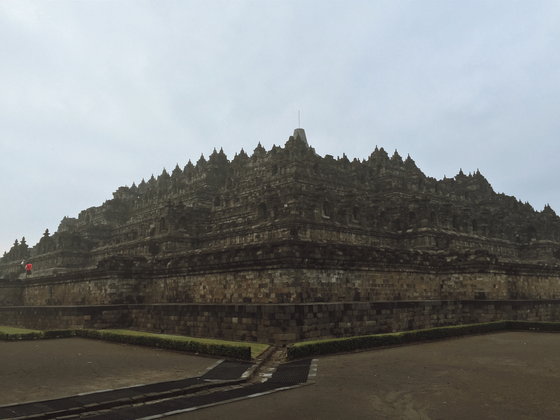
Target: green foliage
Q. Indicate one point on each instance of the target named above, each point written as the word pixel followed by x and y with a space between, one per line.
pixel 169 343
pixel 341 345
pixel 22 336
pixel 59 333
pixel 12 334
pixel 192 345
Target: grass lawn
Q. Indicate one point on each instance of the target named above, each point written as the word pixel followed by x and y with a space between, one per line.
pixel 12 330
pixel 256 348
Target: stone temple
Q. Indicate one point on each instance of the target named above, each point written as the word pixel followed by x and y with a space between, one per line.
pixel 285 245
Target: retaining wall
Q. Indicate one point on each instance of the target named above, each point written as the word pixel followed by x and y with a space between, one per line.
pixel 280 323
pixel 284 285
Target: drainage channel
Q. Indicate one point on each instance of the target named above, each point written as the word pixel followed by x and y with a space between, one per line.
pixel 221 373
pixel 287 376
pixel 220 384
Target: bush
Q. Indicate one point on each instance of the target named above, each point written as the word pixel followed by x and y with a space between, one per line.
pixel 135 338
pixel 59 333
pixel 11 334
pixel 342 345
pixel 168 343
pixel 22 336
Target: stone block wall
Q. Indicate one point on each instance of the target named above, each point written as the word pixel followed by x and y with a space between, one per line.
pixel 281 323
pixel 94 289
pixel 65 317
pixel 283 285
pixel 10 293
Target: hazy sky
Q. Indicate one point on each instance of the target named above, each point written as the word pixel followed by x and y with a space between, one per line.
pixel 98 94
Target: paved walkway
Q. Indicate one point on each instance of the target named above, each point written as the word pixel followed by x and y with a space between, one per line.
pixel 223 382
pixel 513 375
pixel 47 369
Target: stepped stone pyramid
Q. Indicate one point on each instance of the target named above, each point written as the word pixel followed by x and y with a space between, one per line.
pixel 287 225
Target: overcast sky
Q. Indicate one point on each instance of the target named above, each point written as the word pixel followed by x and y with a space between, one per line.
pixel 99 94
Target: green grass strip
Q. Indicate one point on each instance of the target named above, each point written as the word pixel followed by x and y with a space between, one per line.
pixel 342 345
pixel 11 333
pixel 13 330
pixel 233 349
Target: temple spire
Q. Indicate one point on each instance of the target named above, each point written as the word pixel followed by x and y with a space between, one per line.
pixel 300 132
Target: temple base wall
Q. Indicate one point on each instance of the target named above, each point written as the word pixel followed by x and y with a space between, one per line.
pixel 10 293
pixel 280 323
pixel 282 285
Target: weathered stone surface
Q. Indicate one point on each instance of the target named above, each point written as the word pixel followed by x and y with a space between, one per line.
pixel 281 323
pixel 287 226
pixel 378 282
pixel 293 194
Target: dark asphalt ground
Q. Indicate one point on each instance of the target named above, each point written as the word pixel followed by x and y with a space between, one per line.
pixel 512 375
pixel 45 369
pixel 501 376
